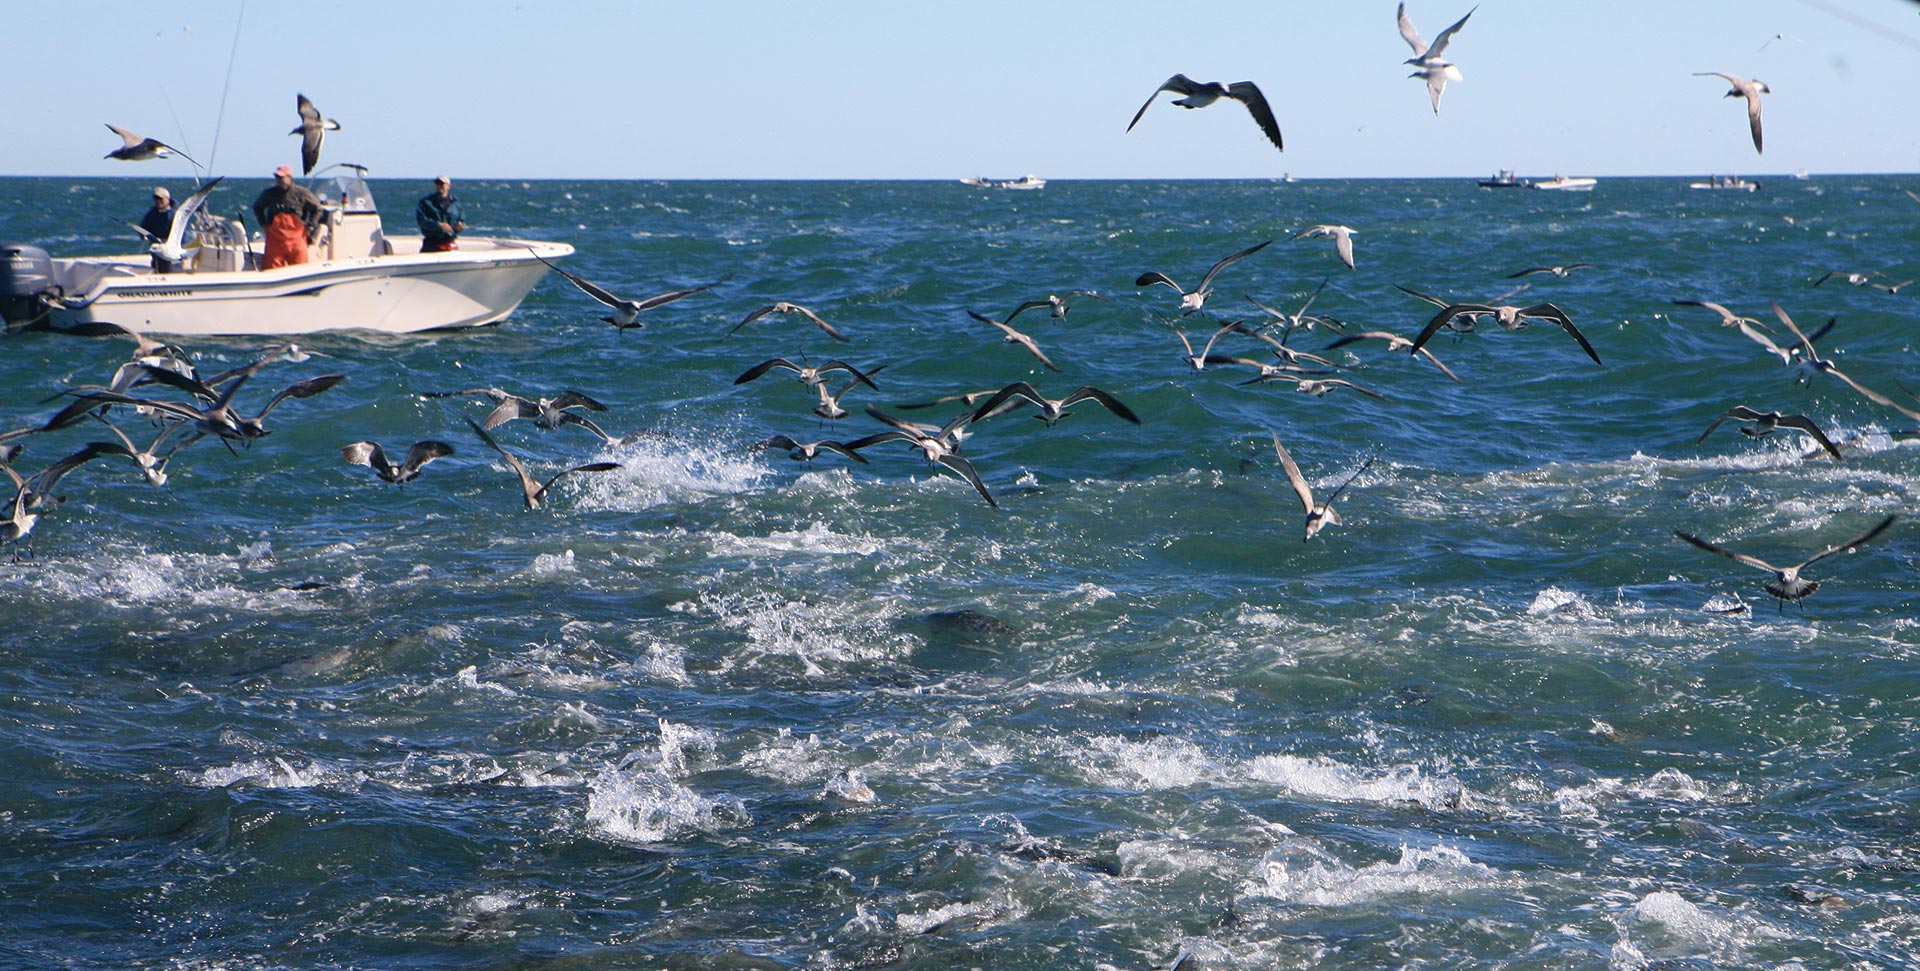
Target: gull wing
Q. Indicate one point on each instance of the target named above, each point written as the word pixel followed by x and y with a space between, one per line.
pixel 1440 43
pixel 1029 305
pixel 1228 261
pixel 184 215
pixel 1805 424
pixel 1753 116
pixel 1152 277
pixel 302 389
pixel 1293 473
pixel 369 454
pixel 966 471
pixel 1247 93
pixel 672 295
pixel 1179 84
pixel 763 367
pixel 1411 35
pixel 1740 412
pixel 858 378
pixel 832 331
pixel 1112 403
pixel 1447 312
pixel 1020 388
pixel 530 489
pixel 574 399
pixel 1752 561
pixel 1560 317
pixel 756 315
pixel 423 452
pixel 1849 545
pixel 1349 481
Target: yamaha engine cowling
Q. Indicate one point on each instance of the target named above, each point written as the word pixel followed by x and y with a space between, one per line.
pixel 26 274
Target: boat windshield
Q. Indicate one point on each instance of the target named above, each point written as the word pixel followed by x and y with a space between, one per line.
pixel 346 186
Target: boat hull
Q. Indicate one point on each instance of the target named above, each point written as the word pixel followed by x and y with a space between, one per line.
pixel 477 285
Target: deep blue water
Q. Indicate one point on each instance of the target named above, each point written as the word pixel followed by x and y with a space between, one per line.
pixel 720 709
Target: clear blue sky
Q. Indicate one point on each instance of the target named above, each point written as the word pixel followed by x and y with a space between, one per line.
pixel 909 89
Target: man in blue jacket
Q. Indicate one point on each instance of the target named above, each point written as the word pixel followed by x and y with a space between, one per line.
pixel 439 218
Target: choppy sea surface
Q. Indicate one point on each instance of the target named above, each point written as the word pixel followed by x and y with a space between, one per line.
pixel 720 709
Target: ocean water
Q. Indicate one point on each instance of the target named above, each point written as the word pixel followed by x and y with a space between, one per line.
pixel 719 709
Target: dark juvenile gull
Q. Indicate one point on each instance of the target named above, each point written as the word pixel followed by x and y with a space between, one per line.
pixel 1750 90
pixel 1765 422
pixel 783 307
pixel 1319 514
pixel 312 129
pixel 1199 94
pixel 1787 583
pixel 531 492
pixel 1427 60
pixel 371 455
pixel 626 312
pixel 139 149
pixel 1193 300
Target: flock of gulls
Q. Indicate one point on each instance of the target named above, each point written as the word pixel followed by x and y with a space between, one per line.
pixel 161 386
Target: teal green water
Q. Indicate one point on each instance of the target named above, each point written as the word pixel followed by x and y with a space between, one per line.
pixel 721 709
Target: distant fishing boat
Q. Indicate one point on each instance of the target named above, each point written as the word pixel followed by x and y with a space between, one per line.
pixel 1504 179
pixel 1567 184
pixel 1732 182
pixel 1023 182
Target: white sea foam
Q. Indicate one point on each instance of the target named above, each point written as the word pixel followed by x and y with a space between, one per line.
pixel 272 773
pixel 1301 872
pixel 664 471
pixel 817 539
pixel 1664 925
pixel 817 635
pixel 643 799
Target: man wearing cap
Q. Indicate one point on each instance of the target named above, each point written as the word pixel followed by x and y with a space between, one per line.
pixel 438 216
pixel 286 212
pixel 159 222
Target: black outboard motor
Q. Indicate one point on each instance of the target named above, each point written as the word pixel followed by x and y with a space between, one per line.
pixel 26 274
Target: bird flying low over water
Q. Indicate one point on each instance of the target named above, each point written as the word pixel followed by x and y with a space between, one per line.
pixel 1197 94
pixel 1055 303
pixel 1319 514
pixel 808 451
pixel 1342 239
pixel 1811 360
pixel 783 307
pixel 548 413
pixel 626 313
pixel 371 455
pixel 1192 300
pixel 531 492
pixel 1750 90
pixel 1016 337
pixel 312 129
pixel 1051 409
pixel 172 249
pixel 1558 271
pixel 937 446
pixel 809 375
pixel 1787 583
pixel 1764 422
pixel 139 149
pixel 1427 60
pixel 1395 342
pixel 1509 318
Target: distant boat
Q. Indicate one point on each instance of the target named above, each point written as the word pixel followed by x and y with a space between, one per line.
pixel 1287 177
pixel 1733 182
pixel 1023 182
pixel 1504 179
pixel 1566 184
pixel 1802 174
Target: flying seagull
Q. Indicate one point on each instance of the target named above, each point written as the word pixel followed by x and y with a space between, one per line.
pixel 1765 422
pixel 1342 239
pixel 936 446
pixel 1196 94
pixel 808 451
pixel 1427 60
pixel 534 493
pixel 1055 303
pixel 1509 318
pixel 1750 90
pixel 1787 583
pixel 626 313
pixel 1051 409
pixel 1192 300
pixel 171 249
pixel 547 413
pixel 809 375
pixel 1319 514
pixel 312 129
pixel 370 454
pixel 1812 361
pixel 1558 271
pixel 1016 337
pixel 829 406
pixel 1395 342
pixel 139 149
pixel 783 307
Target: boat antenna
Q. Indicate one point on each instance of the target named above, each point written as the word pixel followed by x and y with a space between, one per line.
pixel 182 129
pixel 232 56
